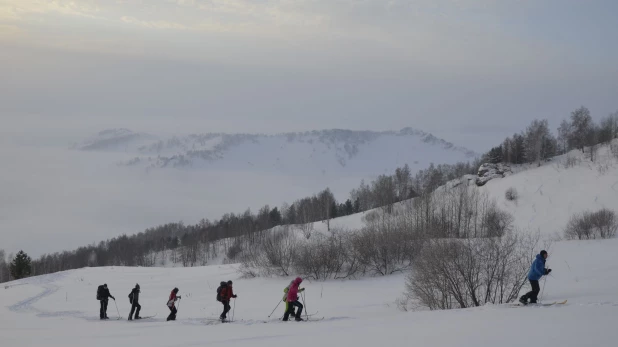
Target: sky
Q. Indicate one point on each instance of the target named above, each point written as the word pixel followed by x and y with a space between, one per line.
pixel 471 72
pixel 458 69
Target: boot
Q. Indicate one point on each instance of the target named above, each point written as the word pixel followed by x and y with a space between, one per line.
pixel 298 319
pixel 523 300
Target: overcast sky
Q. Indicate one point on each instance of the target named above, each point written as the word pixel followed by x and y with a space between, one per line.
pixel 469 71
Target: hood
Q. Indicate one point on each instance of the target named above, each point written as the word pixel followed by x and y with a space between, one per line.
pixel 298 280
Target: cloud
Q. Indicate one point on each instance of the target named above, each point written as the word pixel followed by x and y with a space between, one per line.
pixel 159 24
pixel 21 8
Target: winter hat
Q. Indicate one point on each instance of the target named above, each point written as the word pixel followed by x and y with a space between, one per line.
pixel 105 285
pixel 229 283
pixel 175 290
pixel 136 285
pixel 543 253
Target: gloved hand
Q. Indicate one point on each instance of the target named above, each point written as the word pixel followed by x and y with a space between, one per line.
pixel 114 298
pixel 235 296
pixel 302 290
pixel 179 297
pixel 547 271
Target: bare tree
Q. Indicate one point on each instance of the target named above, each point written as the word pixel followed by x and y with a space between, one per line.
pixel 581 125
pixel 564 136
pixel 608 128
pixel 327 199
pixel 537 140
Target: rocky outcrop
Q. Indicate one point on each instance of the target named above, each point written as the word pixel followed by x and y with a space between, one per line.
pixel 489 171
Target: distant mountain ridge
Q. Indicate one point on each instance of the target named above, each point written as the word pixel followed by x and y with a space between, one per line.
pixel 324 146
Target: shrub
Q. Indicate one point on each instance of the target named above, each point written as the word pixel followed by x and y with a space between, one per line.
pixel 459 273
pixel 511 194
pixel 591 225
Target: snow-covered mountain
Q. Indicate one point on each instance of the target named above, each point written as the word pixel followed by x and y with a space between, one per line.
pixel 319 152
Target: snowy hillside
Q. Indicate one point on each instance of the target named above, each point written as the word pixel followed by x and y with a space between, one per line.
pixel 548 195
pixel 61 310
pixel 319 152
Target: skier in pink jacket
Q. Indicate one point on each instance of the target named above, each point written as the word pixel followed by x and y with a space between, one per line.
pixel 293 300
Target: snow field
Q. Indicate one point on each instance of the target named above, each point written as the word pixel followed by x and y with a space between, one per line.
pixel 61 310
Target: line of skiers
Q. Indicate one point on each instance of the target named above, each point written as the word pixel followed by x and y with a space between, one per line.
pixel 225 293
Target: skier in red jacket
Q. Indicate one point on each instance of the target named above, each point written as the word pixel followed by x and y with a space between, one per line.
pixel 170 304
pixel 225 293
pixel 293 300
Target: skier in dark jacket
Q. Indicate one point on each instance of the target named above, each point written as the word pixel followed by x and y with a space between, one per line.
pixel 224 294
pixel 170 304
pixel 537 270
pixel 103 296
pixel 134 300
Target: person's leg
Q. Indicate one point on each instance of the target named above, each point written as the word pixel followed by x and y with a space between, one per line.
pixel 105 308
pixel 299 312
pixel 169 317
pixel 226 309
pixel 139 307
pixel 131 313
pixel 101 314
pixel 535 291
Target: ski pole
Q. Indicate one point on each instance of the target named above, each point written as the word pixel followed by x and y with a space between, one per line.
pixel 543 290
pixel 305 305
pixel 234 310
pixel 274 309
pixel 117 308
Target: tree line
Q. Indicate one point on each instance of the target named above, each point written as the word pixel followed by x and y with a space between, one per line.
pixel 537 143
pixel 197 244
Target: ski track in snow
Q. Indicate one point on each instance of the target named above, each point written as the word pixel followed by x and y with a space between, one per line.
pixel 45 282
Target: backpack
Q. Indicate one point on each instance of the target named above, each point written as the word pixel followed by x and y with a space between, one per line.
pixel 99 292
pixel 223 284
pixel 131 297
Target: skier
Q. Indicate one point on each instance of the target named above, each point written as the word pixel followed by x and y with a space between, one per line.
pixel 134 300
pixel 170 304
pixel 537 270
pixel 285 299
pixel 224 294
pixel 292 300
pixel 103 296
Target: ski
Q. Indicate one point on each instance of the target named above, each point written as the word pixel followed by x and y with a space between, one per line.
pixel 147 317
pixel 539 305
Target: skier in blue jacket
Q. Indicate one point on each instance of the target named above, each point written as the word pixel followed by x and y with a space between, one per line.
pixel 537 270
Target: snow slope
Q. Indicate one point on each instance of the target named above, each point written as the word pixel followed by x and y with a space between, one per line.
pixel 549 195
pixel 61 310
